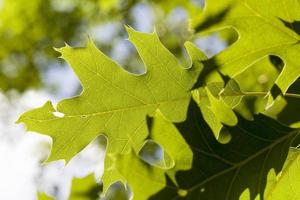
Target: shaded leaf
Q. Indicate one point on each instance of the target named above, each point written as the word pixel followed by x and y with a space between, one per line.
pixel 243 163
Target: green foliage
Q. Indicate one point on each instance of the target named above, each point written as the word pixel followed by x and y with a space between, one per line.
pixel 28 31
pixel 215 111
pixel 178 132
pixel 232 94
pixel 285 185
pixel 82 189
pixel 168 5
pixel 262 32
pixel 85 188
pixel 125 99
pixel 143 179
pixel 42 196
pixel 116 192
pixel 244 162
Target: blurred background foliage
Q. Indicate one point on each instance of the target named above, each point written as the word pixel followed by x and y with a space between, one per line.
pixel 30 29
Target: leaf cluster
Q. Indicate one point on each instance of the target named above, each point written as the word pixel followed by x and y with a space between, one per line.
pixel 213 130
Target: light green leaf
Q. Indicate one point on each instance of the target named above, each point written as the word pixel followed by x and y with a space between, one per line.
pixel 215 111
pixel 287 183
pixel 173 143
pixel 154 154
pixel 201 97
pixel 265 28
pixel 259 78
pixel 223 112
pixel 143 179
pixel 43 196
pixel 115 102
pixel 85 188
pixel 116 192
pixel 232 94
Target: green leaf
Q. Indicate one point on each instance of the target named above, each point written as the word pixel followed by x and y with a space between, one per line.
pixel 143 179
pixel 173 143
pixel 224 112
pixel 265 28
pixel 85 188
pixel 115 102
pixel 82 189
pixel 116 192
pixel 232 94
pixel 224 171
pixel 154 154
pixel 287 183
pixel 215 111
pixel 260 77
pixel 43 196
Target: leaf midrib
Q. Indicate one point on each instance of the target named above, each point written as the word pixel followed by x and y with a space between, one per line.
pixel 95 114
